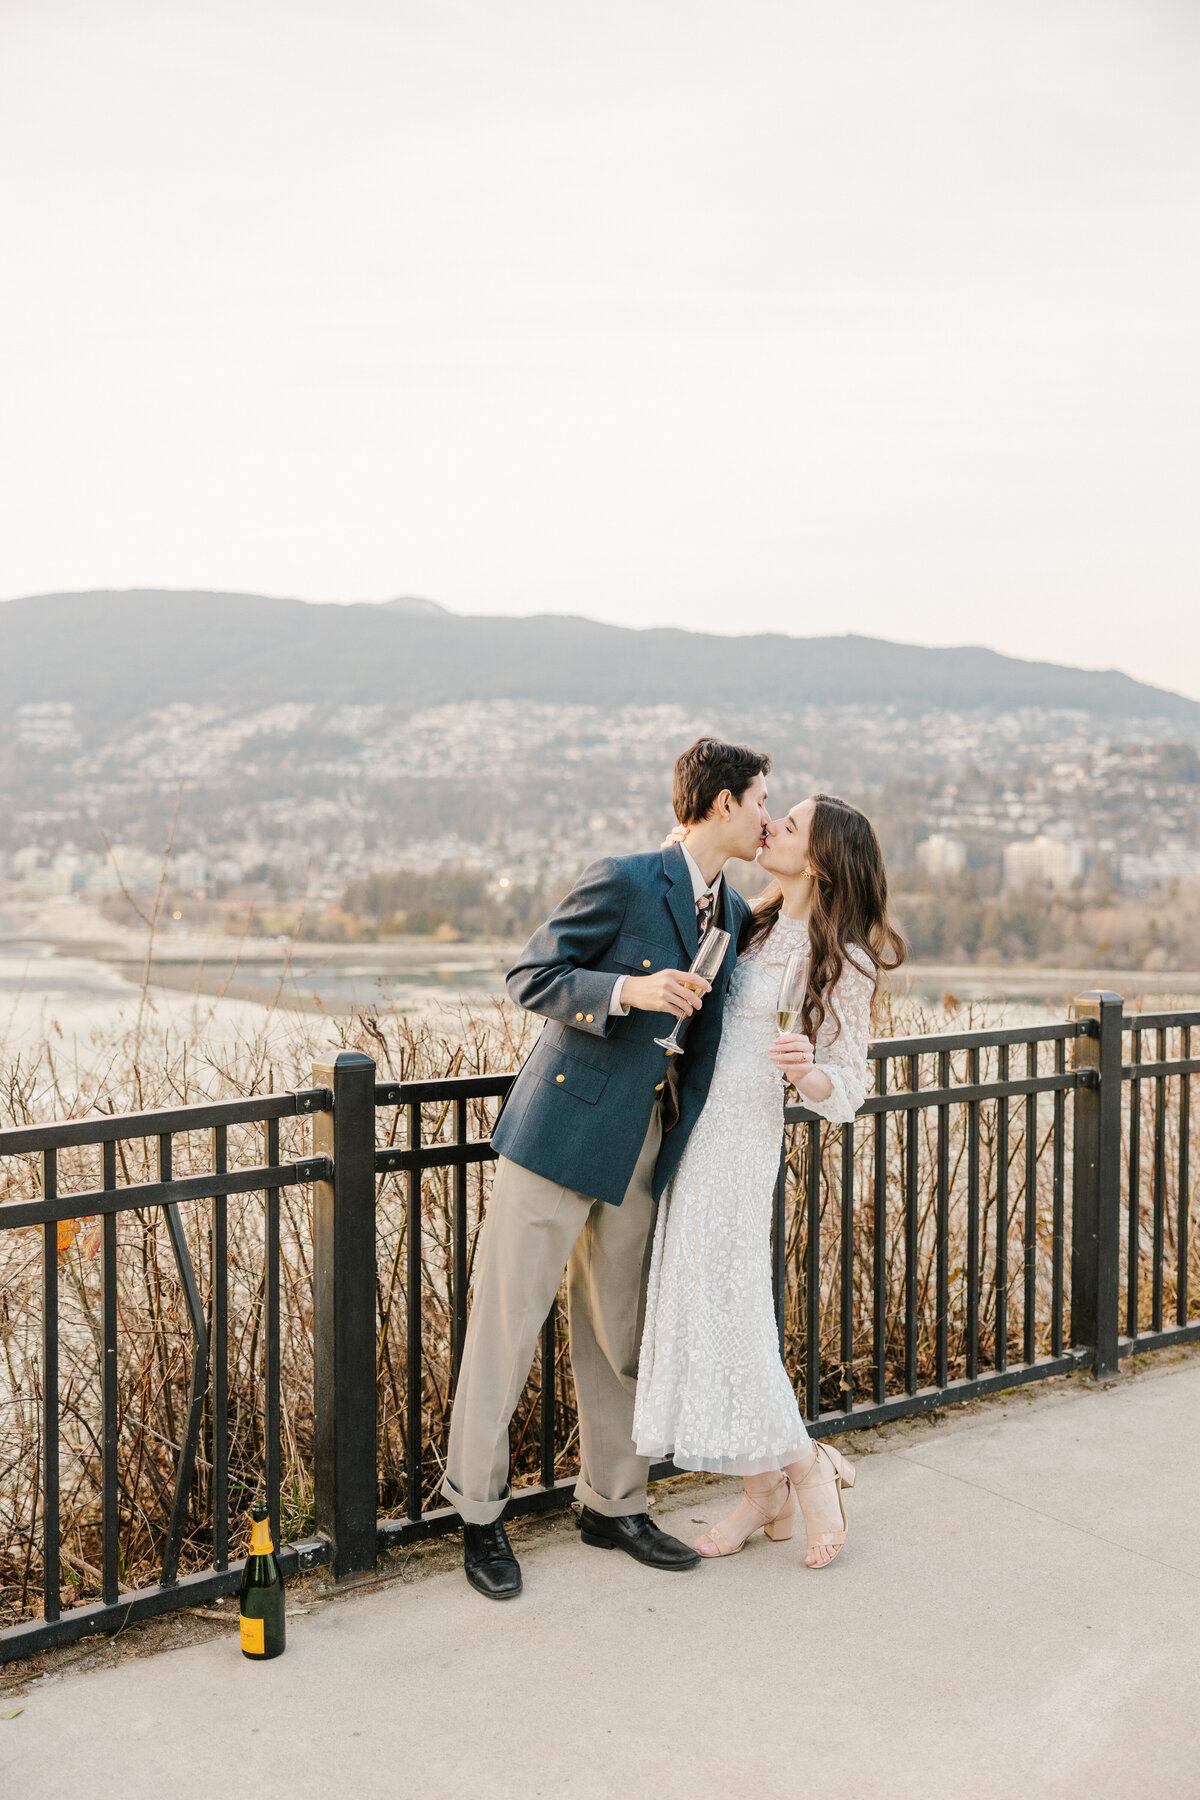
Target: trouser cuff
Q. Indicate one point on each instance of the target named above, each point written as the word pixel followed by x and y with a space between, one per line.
pixel 474 1512
pixel 609 1509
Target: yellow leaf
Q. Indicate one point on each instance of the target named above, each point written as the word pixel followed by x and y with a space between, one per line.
pixel 66 1234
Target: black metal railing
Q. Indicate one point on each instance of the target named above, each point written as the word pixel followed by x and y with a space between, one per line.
pixel 921 1141
pixel 1155 1189
pixel 207 1383
pixel 962 1235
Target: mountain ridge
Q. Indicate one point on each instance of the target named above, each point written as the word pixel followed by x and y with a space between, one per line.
pixel 254 650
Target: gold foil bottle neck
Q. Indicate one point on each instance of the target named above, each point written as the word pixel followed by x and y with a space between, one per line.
pixel 260 1538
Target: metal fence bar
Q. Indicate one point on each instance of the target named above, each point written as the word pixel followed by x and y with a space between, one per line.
pixel 272 1396
pixel 185 1468
pixel 879 1244
pixel 345 1474
pixel 51 1560
pixel 942 1300
pixel 220 1356
pixel 546 1401
pixel 140 1196
pixel 459 1247
pixel 846 1301
pixel 812 1276
pixel 110 1414
pixel 1152 1021
pixel 1001 1285
pixel 1134 1245
pixel 1183 1223
pixel 911 1224
pixel 889 1048
pixel 63 1134
pixel 1159 1185
pixel 1029 1346
pixel 1058 1190
pixel 973 1273
pixel 414 1434
pixel 1096 1184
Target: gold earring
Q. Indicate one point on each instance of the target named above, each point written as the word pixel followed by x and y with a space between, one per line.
pixel 807 873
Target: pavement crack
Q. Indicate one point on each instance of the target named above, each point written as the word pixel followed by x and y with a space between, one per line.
pixel 1093 1537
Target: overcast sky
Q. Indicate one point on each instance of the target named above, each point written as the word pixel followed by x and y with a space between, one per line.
pixel 876 316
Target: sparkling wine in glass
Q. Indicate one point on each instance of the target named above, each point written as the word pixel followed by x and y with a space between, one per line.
pixel 705 963
pixel 792 989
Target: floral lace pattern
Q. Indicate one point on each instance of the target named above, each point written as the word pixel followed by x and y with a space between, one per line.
pixel 712 1390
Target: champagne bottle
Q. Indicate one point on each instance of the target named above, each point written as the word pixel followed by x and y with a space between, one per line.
pixel 262 1601
pixel 787 1019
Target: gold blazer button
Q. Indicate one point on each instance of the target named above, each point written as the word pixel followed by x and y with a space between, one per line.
pixel 591 1018
pixel 659 1086
pixel 560 1078
pixel 580 1016
pixel 645 962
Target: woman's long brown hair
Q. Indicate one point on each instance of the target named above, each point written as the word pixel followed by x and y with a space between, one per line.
pixel 849 909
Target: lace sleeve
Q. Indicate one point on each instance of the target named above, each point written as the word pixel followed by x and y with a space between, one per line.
pixel 844 1057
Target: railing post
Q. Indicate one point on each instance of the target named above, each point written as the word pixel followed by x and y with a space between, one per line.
pixel 1096 1183
pixel 344 1286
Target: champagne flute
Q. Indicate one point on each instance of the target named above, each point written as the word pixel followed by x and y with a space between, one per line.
pixel 792 989
pixel 705 963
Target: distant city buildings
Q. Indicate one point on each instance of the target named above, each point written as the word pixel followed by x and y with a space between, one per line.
pixel 303 798
pixel 1050 862
pixel 47 725
pixel 1142 872
pixel 941 856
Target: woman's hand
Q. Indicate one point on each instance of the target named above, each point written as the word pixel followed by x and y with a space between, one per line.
pixel 792 1054
pixel 675 837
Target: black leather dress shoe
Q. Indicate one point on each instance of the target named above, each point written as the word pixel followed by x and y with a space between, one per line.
pixel 489 1561
pixel 639 1537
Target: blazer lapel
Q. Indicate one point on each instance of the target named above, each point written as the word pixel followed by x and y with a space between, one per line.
pixel 680 898
pixel 730 920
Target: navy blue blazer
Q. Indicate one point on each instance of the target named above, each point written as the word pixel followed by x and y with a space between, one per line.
pixel 580 1108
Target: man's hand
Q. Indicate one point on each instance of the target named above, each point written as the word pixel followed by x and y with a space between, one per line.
pixel 672 991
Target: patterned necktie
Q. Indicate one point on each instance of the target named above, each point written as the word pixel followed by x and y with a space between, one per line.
pixel 704 913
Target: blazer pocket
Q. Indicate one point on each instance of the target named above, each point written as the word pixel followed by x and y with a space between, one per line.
pixel 643 955
pixel 573 1077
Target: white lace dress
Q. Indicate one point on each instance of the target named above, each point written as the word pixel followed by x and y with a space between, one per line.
pixel 712 1391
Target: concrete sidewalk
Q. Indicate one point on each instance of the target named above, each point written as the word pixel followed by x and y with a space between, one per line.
pixel 1017 1616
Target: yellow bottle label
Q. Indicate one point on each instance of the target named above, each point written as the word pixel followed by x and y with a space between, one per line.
pixel 260 1538
pixel 254 1641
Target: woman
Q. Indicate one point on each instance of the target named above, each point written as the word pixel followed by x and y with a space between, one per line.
pixel 712 1390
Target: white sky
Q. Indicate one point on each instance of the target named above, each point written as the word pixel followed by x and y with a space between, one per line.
pixel 766 315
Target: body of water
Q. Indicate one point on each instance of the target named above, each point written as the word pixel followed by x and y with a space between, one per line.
pixel 47 984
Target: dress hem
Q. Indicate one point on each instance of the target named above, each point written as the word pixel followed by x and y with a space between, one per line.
pixel 705 1462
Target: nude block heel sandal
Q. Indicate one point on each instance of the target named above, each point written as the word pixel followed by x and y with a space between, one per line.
pixel 780 1528
pixel 828 1465
pixel 753 1513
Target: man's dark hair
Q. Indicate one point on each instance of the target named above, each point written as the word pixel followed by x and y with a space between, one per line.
pixel 706 770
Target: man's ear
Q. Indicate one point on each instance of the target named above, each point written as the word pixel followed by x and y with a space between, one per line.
pixel 723 804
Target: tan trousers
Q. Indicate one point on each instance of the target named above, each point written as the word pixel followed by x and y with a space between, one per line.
pixel 532 1232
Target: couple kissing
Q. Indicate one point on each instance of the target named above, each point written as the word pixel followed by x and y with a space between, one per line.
pixel 647 1178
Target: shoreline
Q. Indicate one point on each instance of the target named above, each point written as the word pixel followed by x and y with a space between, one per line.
pixel 269 970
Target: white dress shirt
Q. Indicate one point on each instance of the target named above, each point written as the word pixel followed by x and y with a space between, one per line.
pixel 700 887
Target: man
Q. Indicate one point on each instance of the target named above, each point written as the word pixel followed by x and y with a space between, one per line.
pixel 589 1137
